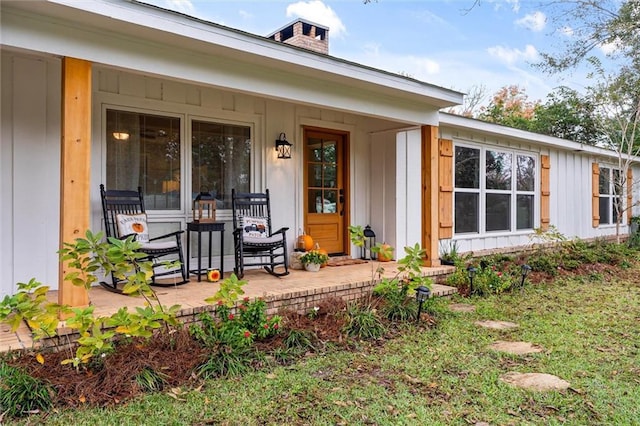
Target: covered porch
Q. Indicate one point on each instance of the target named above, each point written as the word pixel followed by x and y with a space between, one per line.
pixel 300 290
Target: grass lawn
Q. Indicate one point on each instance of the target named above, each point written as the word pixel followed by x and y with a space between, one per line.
pixel 588 326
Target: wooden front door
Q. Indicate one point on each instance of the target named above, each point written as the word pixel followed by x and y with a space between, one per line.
pixel 326 188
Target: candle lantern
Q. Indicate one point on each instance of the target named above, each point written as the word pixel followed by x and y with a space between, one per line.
pixel 204 208
pixel 369 243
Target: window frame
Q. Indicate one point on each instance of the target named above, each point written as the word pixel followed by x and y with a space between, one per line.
pixel 611 196
pixel 513 192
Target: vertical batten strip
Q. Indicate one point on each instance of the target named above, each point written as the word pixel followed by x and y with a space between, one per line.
pixel 629 195
pixel 75 166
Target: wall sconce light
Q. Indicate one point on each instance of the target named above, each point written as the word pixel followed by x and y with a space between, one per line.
pixel 283 147
pixel 422 294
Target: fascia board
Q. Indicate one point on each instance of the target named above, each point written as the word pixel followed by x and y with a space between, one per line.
pixel 130 18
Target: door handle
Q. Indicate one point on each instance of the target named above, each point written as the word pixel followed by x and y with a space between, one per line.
pixel 341 199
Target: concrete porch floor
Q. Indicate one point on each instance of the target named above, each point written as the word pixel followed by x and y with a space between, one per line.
pixel 300 290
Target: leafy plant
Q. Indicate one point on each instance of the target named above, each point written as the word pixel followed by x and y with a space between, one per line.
pixel 299 340
pixel 21 394
pixel 151 380
pixel 253 316
pixel 314 256
pixel 363 322
pixel 449 251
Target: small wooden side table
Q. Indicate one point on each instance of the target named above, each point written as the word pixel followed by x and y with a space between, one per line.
pixel 201 227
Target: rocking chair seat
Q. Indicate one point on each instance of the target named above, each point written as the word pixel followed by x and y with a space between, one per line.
pixel 274 240
pixel 159 247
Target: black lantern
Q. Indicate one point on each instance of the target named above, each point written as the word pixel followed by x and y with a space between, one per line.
pixel 369 243
pixel 471 273
pixel 525 271
pixel 283 147
pixel 422 294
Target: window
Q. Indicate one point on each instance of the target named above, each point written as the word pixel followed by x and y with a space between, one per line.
pixel 220 159
pixel 610 190
pixel 494 190
pixel 145 150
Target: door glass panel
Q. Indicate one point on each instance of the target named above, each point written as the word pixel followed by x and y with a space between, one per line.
pixel 315 175
pixel 329 179
pixel 315 150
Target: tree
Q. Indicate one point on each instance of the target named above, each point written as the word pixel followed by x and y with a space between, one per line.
pixel 568 115
pixel 510 106
pixel 471 103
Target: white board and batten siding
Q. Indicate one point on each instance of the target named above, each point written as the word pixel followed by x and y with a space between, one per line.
pixel 570 190
pixel 29 171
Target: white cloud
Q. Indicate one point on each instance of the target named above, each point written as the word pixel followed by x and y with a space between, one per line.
pixel 423 66
pixel 183 6
pixel 535 21
pixel 609 48
pixel 511 56
pixel 318 12
pixel 245 15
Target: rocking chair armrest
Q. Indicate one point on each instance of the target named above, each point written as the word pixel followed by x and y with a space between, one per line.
pixel 175 234
pixel 282 231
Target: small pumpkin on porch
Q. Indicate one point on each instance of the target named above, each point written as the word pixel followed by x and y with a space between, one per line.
pixel 321 251
pixel 305 242
pixel 386 253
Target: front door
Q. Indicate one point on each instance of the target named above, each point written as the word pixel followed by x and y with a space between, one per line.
pixel 325 195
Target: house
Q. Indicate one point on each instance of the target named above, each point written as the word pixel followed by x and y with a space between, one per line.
pixel 126 94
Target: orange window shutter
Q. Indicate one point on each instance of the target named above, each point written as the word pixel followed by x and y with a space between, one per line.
pixel 629 195
pixel 545 192
pixel 445 191
pixel 595 195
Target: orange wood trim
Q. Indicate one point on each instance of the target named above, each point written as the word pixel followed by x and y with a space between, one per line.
pixel 545 191
pixel 629 195
pixel 595 195
pixel 75 174
pixel 445 195
pixel 430 163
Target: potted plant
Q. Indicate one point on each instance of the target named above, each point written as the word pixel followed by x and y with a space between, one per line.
pixel 313 259
pixel 449 252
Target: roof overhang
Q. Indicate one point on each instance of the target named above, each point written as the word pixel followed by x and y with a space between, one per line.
pixel 180 36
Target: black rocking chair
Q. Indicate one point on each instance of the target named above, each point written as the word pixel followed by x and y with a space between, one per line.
pixel 122 208
pixel 253 236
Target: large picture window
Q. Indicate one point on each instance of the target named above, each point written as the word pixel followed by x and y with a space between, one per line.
pixel 610 195
pixel 494 190
pixel 145 150
pixel 220 159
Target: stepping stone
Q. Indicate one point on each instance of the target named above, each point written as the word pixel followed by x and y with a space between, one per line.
pixel 516 348
pixel 535 381
pixel 462 307
pixel 496 325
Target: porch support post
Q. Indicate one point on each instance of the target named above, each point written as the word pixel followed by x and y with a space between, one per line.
pixel 75 166
pixel 430 160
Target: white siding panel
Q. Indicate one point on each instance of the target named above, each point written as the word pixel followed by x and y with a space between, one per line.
pixel 409 187
pixel 131 85
pixel 7 284
pixel 36 163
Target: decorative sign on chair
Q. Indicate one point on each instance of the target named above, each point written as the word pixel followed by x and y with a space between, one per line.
pixel 204 208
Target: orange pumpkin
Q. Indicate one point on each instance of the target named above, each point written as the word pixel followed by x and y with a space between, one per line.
pixel 385 249
pixel 305 242
pixel 322 251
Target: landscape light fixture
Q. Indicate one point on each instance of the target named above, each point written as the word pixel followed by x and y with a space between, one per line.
pixel 422 294
pixel 369 243
pixel 525 271
pixel 471 273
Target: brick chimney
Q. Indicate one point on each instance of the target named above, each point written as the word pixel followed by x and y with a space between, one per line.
pixel 304 34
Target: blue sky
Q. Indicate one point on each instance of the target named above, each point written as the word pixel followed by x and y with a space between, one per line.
pixel 437 41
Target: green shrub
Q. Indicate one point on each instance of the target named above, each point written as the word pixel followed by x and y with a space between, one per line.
pixel 299 340
pixel 21 394
pixel 362 322
pixel 151 380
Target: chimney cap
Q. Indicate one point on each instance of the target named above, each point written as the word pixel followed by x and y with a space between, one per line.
pixel 290 24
